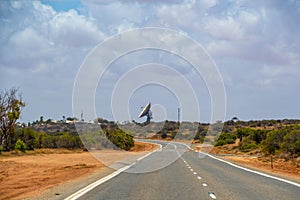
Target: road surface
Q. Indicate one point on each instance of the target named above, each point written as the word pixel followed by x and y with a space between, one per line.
pixel 174 172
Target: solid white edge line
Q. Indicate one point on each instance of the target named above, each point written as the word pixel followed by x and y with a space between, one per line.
pixel 253 171
pixel 91 186
pixel 141 158
pixel 175 147
pixel 88 188
pixel 183 144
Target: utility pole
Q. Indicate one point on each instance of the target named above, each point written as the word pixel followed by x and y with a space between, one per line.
pixel 81 116
pixel 178 114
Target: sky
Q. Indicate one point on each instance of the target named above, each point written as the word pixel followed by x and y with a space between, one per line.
pixel 254 44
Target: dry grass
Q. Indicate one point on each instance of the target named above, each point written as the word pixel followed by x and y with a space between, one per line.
pixel 141 146
pixel 281 167
pixel 40 151
pixel 256 160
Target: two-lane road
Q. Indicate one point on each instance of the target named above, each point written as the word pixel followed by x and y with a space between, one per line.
pixel 166 175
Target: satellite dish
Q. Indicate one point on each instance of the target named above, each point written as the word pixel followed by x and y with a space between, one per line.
pixel 145 110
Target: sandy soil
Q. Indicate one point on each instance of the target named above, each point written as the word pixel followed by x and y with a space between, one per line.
pixel 286 169
pixel 280 167
pixel 28 175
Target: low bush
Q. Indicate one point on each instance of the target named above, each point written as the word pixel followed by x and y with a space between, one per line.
pixel 230 141
pixel 246 147
pixel 220 143
pixel 20 145
pixel 226 138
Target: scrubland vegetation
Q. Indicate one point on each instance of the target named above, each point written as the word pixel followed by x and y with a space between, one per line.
pixel 271 138
pixel 283 141
pixel 42 134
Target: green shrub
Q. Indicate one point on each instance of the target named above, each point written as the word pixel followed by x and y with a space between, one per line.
pixel 226 138
pixel 220 143
pixel 120 139
pixel 246 147
pixel 20 145
pixel 1 149
pixel 291 143
pixel 230 141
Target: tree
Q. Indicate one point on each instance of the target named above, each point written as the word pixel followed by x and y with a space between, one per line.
pixel 235 119
pixel 272 143
pixel 10 111
pixel 291 143
pixel 243 132
pixel 72 119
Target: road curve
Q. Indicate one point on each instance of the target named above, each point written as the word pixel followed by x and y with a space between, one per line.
pixel 175 172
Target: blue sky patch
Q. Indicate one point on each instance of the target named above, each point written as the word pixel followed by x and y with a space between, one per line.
pixel 63 5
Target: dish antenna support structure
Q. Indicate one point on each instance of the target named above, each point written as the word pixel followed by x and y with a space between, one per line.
pixel 146 112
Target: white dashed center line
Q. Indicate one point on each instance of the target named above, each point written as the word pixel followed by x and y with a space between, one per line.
pixel 212 195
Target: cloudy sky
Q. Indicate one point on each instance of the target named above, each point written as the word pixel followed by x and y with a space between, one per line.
pixel 254 44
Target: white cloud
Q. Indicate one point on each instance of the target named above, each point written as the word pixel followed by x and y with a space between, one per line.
pixel 224 29
pixel 28 39
pixel 115 16
pixel 278 76
pixel 43 34
pixel 41 50
pixel 206 4
pixel 73 30
pixel 279 71
pixel 255 43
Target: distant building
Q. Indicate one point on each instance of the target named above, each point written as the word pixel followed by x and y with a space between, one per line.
pixel 69 121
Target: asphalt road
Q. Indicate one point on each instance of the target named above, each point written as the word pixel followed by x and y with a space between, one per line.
pixel 174 172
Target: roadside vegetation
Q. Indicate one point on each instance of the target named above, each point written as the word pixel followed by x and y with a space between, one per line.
pixel 47 134
pixel 270 138
pixel 276 142
pixel 285 140
pixel 265 138
pixel 28 139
